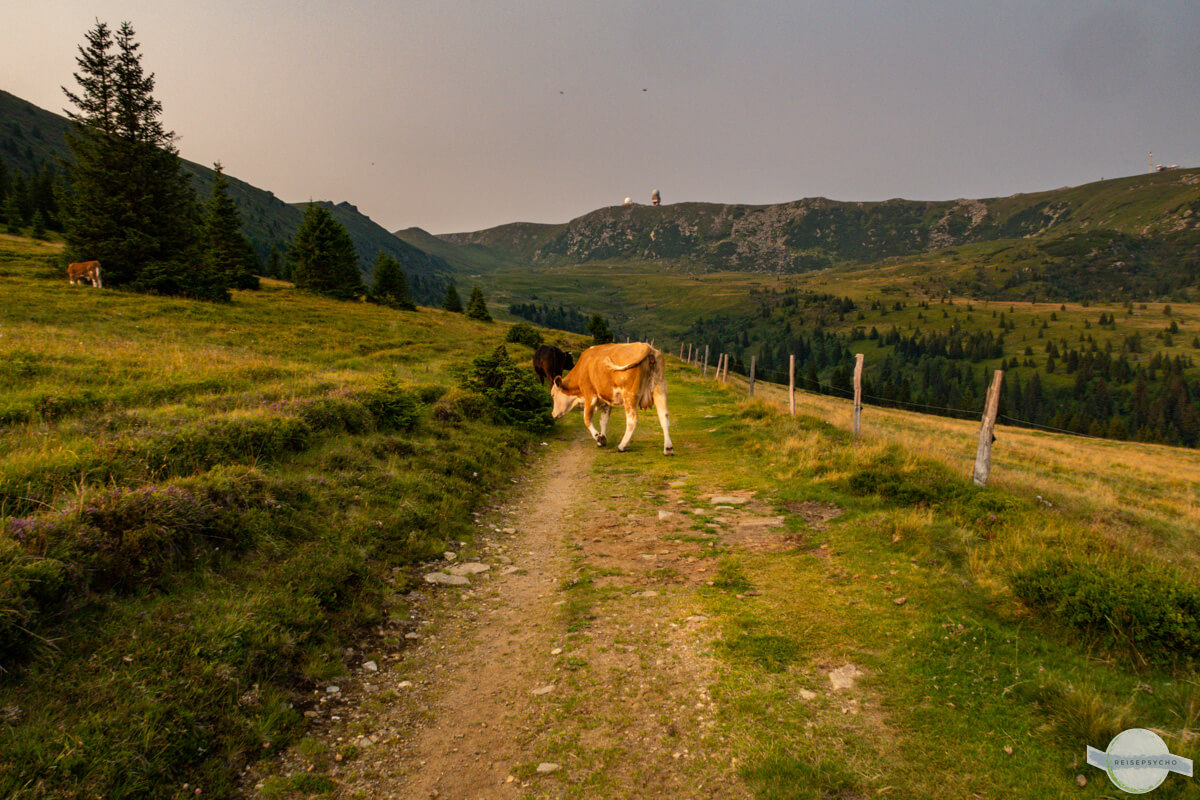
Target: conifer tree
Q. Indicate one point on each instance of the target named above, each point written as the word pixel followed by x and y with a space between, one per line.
pixel 453 301
pixel 130 205
pixel 599 330
pixel 477 306
pixel 322 256
pixel 391 287
pixel 226 251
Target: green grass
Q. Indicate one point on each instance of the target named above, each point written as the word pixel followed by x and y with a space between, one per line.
pixel 200 505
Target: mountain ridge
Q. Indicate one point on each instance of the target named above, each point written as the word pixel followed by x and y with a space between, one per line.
pixel 814 233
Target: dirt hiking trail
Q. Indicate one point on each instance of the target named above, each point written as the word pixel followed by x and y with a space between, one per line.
pixel 575 665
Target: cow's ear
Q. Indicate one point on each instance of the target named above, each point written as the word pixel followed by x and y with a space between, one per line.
pixel 558 381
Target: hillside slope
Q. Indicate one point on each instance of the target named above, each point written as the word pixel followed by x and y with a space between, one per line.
pixel 31 136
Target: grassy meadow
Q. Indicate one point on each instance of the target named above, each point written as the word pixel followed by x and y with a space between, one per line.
pixel 200 503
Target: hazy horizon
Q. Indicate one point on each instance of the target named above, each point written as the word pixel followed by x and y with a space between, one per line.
pixel 461 116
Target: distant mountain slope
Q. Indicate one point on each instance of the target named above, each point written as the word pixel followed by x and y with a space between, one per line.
pixel 816 233
pixel 31 136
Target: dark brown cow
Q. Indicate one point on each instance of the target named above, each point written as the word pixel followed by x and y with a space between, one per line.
pixel 631 375
pixel 81 270
pixel 550 362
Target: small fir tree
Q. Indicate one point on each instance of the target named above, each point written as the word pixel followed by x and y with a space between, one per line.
pixel 226 251
pixel 599 330
pixel 391 286
pixel 477 306
pixel 322 256
pixel 453 301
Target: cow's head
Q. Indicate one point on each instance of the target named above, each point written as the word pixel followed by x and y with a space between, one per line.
pixel 564 401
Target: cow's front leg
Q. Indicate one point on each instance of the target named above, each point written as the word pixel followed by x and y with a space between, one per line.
pixel 588 408
pixel 630 426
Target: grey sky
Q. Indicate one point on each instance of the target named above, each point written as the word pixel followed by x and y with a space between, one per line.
pixel 457 115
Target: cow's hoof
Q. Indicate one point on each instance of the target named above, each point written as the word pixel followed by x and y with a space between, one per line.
pixel 621 449
pixel 601 441
pixel 668 451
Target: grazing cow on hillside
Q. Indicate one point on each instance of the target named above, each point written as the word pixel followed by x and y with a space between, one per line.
pixel 85 269
pixel 632 375
pixel 550 362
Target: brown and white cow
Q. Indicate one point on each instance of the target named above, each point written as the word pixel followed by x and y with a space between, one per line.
pixel 85 269
pixel 630 375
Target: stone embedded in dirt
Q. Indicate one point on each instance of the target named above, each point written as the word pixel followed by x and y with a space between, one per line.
pixel 729 499
pixel 556 651
pixel 760 522
pixel 844 677
pixel 547 767
pixel 404 685
pixel 370 666
pixel 447 580
pixel 805 694
pixel 900 601
pixel 449 556
pixel 664 515
pixel 412 635
pixel 1080 781
pixel 510 570
pixel 541 690
pixel 470 568
pixel 333 689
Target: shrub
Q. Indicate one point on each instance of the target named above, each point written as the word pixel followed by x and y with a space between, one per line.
pixel 1146 608
pixel 393 407
pixel 524 334
pixel 514 392
pixel 459 404
pixel 904 482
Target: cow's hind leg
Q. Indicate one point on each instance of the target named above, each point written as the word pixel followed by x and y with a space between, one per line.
pixel 600 438
pixel 664 419
pixel 631 421
pixel 605 410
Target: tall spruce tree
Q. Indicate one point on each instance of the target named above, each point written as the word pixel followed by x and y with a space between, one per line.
pixel 477 306
pixel 225 249
pixel 391 286
pixel 453 301
pixel 129 204
pixel 322 256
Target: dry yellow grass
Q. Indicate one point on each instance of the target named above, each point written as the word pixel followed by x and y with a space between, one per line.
pixel 1147 495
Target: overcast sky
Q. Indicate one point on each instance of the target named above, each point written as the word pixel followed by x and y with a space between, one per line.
pixel 454 115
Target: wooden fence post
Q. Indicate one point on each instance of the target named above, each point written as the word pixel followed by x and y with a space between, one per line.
pixel 983 455
pixel 752 360
pixel 689 358
pixel 792 384
pixel 858 368
pixel 681 351
pixel 706 361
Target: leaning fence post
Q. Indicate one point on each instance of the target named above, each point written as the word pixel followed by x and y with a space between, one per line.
pixel 706 361
pixel 983 455
pixel 752 360
pixel 681 351
pixel 858 368
pixel 792 384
